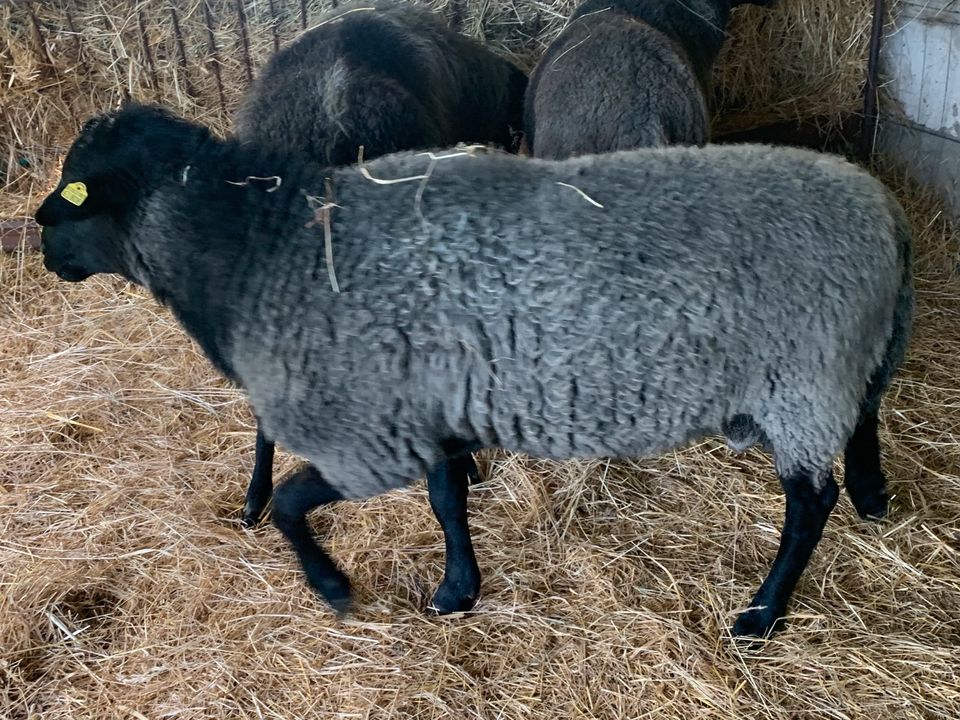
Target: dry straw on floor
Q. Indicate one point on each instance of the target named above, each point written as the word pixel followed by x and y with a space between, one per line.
pixel 129 590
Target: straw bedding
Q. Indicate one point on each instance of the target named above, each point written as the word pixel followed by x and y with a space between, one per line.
pixel 129 590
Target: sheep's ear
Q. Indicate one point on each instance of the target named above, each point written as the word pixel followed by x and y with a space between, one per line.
pixel 86 198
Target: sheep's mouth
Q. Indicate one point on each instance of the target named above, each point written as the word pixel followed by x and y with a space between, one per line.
pixel 66 270
pixel 72 274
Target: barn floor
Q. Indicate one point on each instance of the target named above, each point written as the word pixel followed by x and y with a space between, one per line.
pixel 129 590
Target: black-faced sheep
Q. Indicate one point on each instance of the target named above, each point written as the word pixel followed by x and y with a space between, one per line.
pixel 384 76
pixel 626 74
pixel 611 305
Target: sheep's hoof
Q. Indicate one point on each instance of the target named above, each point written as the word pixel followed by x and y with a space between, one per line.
pixel 873 507
pixel 339 602
pixel 757 624
pixel 251 516
pixel 335 590
pixel 340 605
pixel 451 598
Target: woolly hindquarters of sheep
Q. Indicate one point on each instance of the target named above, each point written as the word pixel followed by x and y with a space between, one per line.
pixel 608 83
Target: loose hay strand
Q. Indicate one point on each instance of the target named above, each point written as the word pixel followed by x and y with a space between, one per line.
pixel 321 208
pixel 385 181
pixel 328 235
pixel 276 179
pixel 581 193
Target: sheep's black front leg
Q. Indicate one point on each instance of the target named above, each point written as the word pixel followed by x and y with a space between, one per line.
pixel 863 476
pixel 447 485
pixel 261 483
pixel 809 504
pixel 296 497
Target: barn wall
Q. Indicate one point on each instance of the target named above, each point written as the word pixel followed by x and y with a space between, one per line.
pixel 921 60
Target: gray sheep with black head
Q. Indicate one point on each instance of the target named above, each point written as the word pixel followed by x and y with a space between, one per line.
pixel 611 305
pixel 626 74
pixel 385 76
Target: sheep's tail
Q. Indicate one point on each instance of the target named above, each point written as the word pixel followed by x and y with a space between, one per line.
pixel 902 315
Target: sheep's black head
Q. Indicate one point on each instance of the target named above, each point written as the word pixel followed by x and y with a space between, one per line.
pixel 110 168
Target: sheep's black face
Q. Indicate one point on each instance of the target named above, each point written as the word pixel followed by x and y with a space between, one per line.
pixel 77 250
pixel 82 231
pixel 111 167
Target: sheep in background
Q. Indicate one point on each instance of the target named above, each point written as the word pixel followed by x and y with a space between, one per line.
pixel 626 74
pixel 386 76
pixel 611 305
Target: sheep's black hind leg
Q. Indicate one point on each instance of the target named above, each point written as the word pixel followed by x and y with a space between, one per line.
pixel 863 476
pixel 447 485
pixel 809 504
pixel 300 494
pixel 261 483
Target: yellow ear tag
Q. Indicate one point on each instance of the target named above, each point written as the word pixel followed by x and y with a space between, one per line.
pixel 74 193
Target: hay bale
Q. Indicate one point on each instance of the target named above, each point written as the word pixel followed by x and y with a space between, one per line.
pixel 796 60
pixel 62 62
